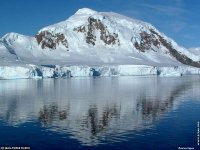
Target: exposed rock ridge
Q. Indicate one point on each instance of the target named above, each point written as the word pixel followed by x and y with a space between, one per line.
pixel 97 25
pixel 50 40
pixel 180 57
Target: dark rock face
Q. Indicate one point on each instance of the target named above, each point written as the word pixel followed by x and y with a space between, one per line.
pixel 49 40
pixel 147 41
pixel 154 39
pixel 97 25
pixel 180 57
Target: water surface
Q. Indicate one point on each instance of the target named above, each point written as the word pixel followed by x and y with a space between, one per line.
pixel 142 113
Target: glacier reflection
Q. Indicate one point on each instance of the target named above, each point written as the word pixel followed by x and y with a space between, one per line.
pixel 92 110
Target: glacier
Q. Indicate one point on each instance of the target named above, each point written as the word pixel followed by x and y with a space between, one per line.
pixel 37 72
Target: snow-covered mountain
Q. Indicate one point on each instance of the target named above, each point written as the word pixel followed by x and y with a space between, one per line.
pixel 195 51
pixel 90 38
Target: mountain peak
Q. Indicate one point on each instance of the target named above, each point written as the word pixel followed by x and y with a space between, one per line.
pixel 101 38
pixel 87 11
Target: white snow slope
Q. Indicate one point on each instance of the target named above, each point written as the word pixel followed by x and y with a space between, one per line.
pixel 91 43
pixel 195 51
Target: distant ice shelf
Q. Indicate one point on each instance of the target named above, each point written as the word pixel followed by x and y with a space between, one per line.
pixel 55 71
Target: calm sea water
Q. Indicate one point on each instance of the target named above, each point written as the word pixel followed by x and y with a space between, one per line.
pixel 140 113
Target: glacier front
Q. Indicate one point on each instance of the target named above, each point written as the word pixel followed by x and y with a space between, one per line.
pixel 33 71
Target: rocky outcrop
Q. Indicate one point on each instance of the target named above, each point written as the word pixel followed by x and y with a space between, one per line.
pixel 49 40
pixel 180 57
pixel 153 40
pixel 148 42
pixel 97 25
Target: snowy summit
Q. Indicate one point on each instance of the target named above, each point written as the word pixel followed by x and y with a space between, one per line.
pixel 85 11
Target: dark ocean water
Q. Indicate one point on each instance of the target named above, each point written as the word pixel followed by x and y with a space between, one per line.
pixel 132 113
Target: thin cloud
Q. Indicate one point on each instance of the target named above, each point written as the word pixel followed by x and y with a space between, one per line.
pixel 179 3
pixel 133 13
pixel 188 36
pixel 178 26
pixel 168 10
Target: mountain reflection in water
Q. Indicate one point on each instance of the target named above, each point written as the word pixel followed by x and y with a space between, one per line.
pixel 92 110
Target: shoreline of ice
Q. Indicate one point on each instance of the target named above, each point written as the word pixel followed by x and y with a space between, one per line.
pixel 55 71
